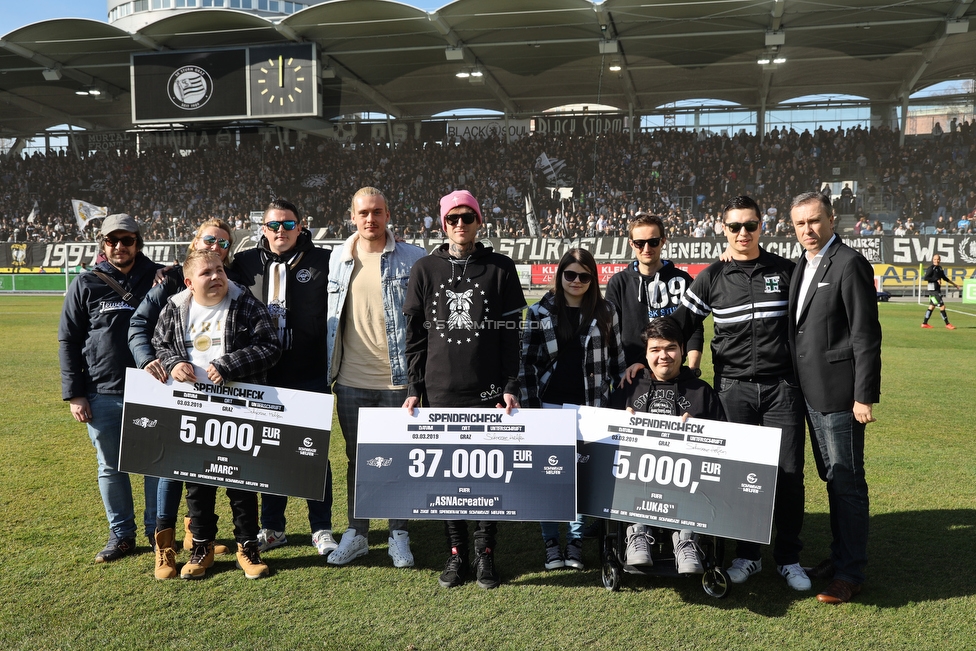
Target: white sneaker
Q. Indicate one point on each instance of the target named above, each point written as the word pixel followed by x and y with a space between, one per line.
pixel 351 546
pixel 687 557
pixel 742 568
pixel 269 539
pixel 795 577
pixel 324 542
pixel 639 541
pixel 399 549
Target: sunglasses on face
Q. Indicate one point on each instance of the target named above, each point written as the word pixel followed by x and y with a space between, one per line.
pixel 466 217
pixel 735 227
pixel 288 225
pixel 572 276
pixel 210 240
pixel 640 244
pixel 125 240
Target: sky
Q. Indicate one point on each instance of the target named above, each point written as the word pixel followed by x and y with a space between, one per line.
pixel 17 13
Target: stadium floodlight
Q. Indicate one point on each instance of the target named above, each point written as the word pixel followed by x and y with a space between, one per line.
pixel 956 27
pixel 763 60
pixel 462 74
pixel 779 59
pixel 615 64
pixel 477 73
pixel 52 74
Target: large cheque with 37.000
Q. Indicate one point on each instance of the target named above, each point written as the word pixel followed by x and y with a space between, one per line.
pixel 237 435
pixel 711 477
pixel 466 464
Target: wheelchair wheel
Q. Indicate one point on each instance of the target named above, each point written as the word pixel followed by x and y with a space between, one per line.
pixel 716 583
pixel 611 575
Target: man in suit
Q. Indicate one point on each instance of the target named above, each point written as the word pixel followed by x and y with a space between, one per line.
pixel 836 342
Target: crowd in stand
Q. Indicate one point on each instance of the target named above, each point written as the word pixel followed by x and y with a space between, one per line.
pixel 684 176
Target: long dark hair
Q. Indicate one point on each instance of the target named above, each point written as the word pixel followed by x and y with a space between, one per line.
pixel 592 304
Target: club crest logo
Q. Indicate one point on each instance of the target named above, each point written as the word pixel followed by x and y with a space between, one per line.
pixel 19 254
pixel 772 284
pixel 303 275
pixel 190 87
pixel 967 250
pixel 144 422
pixel 379 462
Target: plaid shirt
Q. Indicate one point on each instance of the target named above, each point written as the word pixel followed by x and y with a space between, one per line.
pixel 251 344
pixel 603 362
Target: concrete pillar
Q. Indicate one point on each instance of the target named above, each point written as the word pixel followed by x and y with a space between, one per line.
pixel 884 114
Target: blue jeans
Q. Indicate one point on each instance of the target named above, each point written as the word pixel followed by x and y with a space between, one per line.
pixel 105 432
pixel 550 530
pixel 774 404
pixel 169 494
pixel 348 402
pixel 838 448
pixel 319 512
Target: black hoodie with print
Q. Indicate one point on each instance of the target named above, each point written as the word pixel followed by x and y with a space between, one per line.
pixel 463 328
pixel 685 393
pixel 639 299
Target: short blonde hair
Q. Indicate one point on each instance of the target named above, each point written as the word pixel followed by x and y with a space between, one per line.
pixel 197 257
pixel 368 191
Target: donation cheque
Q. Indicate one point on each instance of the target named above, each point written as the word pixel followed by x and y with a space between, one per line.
pixel 238 435
pixel 711 477
pixel 466 464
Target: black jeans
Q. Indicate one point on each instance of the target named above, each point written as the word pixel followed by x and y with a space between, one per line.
pixel 774 404
pixel 457 535
pixel 200 501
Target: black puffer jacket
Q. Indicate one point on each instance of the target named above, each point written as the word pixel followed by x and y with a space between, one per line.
pixel 94 330
pixel 304 354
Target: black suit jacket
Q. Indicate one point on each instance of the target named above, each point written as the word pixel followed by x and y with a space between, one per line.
pixel 836 342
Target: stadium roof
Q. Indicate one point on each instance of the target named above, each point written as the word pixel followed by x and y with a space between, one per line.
pixel 534 54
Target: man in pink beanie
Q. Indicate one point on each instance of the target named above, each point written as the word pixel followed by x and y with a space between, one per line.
pixel 457 199
pixel 464 310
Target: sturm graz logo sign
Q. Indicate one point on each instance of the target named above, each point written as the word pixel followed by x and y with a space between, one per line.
pixel 190 87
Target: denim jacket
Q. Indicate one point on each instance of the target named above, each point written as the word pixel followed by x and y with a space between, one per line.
pixel 395 265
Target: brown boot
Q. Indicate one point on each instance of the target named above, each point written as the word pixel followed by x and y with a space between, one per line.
pixel 187 536
pixel 201 558
pixel 249 560
pixel 165 554
pixel 219 550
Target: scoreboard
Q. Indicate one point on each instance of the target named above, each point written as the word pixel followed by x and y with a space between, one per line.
pixel 268 81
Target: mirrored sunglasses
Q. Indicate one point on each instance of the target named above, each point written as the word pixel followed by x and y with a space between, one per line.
pixel 288 225
pixel 210 240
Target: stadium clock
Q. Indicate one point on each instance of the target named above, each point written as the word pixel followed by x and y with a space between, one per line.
pixel 283 80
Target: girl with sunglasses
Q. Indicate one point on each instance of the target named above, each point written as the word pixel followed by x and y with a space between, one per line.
pixel 571 354
pixel 215 235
